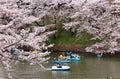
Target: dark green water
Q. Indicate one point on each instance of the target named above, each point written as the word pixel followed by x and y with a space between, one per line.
pixel 89 67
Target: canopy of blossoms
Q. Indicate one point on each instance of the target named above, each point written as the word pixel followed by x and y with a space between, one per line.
pixel 20 35
pixel 21 32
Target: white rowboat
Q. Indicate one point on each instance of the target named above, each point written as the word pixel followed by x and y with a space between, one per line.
pixel 63 68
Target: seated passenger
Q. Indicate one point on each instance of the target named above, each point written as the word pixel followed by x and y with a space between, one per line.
pixel 61 57
pixel 58 65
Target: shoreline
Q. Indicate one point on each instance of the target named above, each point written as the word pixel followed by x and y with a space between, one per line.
pixel 67 48
pixel 78 49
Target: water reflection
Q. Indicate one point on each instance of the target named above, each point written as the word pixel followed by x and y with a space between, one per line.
pixel 60 74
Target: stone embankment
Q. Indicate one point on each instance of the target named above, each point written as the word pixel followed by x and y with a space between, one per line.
pixel 79 49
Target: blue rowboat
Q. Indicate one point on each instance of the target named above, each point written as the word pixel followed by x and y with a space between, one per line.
pixel 99 56
pixel 63 68
pixel 74 57
pixel 68 53
pixel 61 62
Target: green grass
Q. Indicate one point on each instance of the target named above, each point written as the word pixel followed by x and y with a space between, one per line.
pixel 66 38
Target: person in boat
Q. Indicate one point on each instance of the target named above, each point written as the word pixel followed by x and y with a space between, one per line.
pixel 99 54
pixel 66 59
pixel 68 53
pixel 61 57
pixel 71 56
pixel 58 65
pixel 54 59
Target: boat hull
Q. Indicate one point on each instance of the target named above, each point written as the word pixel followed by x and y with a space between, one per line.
pixel 61 62
pixel 74 58
pixel 99 56
pixel 63 68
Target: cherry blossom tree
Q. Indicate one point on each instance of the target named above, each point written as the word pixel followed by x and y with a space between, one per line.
pixel 99 18
pixel 20 33
pixel 20 29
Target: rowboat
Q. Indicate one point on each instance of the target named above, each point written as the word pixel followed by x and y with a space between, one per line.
pixel 99 55
pixel 60 61
pixel 74 57
pixel 62 68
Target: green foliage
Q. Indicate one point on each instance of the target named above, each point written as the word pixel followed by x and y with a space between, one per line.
pixel 67 38
pixel 85 39
pixel 46 21
pixel 65 20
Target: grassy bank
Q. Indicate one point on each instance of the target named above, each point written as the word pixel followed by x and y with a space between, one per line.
pixel 66 38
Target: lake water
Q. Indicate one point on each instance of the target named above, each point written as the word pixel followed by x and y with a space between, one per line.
pixel 89 67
